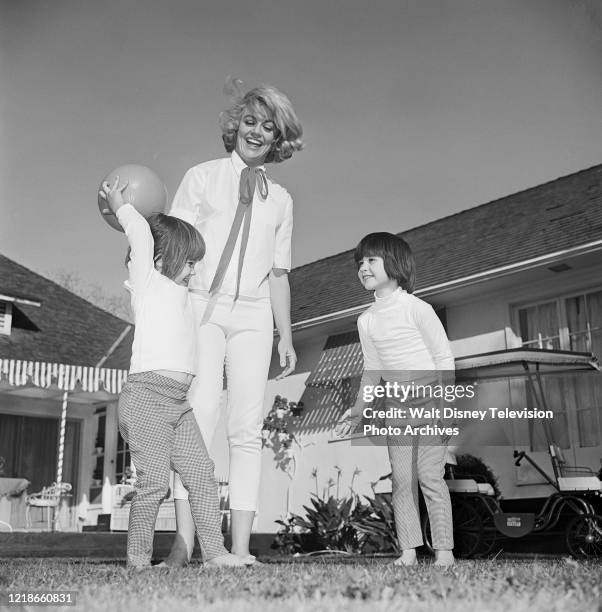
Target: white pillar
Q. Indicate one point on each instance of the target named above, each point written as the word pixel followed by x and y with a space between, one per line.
pixel 61 453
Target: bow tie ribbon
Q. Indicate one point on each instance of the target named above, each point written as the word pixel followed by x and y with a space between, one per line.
pixel 250 179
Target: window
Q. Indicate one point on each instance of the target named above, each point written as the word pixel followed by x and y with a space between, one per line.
pixel 540 326
pixel 584 322
pixel 6 315
pixel 29 446
pixel 123 459
pixel 572 323
pixel 99 456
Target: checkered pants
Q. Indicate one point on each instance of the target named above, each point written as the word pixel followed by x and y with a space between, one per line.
pixel 414 464
pixel 157 423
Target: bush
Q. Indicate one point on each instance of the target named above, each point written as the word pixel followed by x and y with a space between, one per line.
pixel 469 466
pixel 377 525
pixel 340 524
pixel 357 526
pixel 329 524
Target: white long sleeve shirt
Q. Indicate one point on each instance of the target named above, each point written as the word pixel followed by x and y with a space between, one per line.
pixel 164 335
pixel 207 198
pixel 401 333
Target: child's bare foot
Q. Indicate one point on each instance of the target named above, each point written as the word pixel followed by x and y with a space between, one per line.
pixel 444 558
pixel 229 560
pixel 408 557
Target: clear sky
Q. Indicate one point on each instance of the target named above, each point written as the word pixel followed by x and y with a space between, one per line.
pixel 412 109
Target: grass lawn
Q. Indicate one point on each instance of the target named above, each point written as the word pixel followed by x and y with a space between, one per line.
pixel 498 585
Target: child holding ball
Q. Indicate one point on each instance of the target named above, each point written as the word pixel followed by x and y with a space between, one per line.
pixel 400 333
pixel 154 417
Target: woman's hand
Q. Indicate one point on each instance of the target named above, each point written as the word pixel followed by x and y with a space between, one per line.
pixel 113 196
pixel 288 357
pixel 347 424
pixel 280 293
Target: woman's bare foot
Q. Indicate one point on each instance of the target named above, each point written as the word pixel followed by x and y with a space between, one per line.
pixel 179 555
pixel 229 560
pixel 176 558
pixel 444 558
pixel 408 557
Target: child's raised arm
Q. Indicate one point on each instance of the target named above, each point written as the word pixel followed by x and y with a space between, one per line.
pixel 142 245
pixel 136 229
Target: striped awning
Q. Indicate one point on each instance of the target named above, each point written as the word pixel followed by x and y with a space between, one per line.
pixel 341 358
pixel 20 373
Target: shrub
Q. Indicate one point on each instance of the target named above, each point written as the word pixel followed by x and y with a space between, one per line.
pixel 357 526
pixel 329 524
pixel 469 466
pixel 340 524
pixel 377 525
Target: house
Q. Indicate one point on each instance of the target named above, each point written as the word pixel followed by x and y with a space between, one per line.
pixel 521 271
pixel 524 271
pixel 60 356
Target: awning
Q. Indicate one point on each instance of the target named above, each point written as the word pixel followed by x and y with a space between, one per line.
pixel 341 358
pixel 333 384
pixel 63 377
pixel 325 406
pixel 520 362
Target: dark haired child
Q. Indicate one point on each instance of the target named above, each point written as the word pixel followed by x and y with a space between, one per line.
pixel 154 417
pixel 401 333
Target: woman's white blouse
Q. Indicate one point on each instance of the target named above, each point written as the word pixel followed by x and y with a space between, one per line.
pixel 164 334
pixel 401 332
pixel 207 198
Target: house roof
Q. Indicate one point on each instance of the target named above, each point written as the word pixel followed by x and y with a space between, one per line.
pixel 546 219
pixel 63 329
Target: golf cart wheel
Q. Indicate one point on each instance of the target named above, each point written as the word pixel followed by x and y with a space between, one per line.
pixel 468 529
pixel 584 536
pixel 490 533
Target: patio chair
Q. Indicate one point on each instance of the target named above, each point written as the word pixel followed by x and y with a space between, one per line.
pixel 48 498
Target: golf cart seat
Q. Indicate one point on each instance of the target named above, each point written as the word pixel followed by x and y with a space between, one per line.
pixel 469 485
pixel 572 477
pixel 580 483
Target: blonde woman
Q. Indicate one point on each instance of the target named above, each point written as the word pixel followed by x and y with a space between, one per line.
pixel 240 288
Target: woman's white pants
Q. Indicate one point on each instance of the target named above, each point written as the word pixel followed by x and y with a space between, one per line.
pixel 240 335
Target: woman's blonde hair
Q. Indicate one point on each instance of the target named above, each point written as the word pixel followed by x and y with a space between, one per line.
pixel 265 97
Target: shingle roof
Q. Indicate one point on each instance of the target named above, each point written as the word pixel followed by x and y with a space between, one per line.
pixel 64 329
pixel 561 214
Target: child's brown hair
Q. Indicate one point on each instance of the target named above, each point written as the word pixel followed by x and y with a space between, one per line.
pixel 176 242
pixel 396 254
